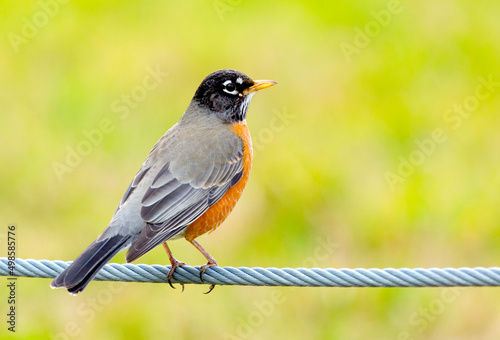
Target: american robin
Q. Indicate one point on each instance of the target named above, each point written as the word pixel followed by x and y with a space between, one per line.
pixel 188 185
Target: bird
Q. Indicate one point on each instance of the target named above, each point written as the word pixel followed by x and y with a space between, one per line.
pixel 187 186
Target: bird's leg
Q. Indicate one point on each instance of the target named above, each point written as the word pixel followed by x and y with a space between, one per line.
pixel 211 261
pixel 174 264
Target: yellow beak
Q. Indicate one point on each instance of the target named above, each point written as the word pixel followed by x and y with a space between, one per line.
pixel 259 85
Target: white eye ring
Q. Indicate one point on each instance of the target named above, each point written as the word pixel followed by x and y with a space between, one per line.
pixel 227 82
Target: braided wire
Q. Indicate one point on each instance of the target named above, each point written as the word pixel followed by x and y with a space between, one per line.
pixel 243 276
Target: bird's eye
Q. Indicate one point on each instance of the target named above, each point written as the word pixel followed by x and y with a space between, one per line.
pixel 229 87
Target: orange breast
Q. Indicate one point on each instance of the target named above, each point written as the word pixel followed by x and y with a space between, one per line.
pixel 217 213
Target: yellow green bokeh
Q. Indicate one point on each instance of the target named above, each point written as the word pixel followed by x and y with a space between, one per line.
pixel 363 86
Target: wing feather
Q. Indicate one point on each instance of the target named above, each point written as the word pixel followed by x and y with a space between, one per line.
pixel 135 182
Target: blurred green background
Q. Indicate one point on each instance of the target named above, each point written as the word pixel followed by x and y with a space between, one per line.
pixel 339 179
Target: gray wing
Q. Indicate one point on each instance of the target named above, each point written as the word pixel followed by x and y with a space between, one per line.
pixel 172 202
pixel 135 182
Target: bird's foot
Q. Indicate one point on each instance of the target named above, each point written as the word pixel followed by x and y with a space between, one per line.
pixel 170 275
pixel 202 270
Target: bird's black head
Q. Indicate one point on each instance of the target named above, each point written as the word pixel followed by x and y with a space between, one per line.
pixel 227 93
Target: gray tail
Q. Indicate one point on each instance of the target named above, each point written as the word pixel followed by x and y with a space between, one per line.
pixel 79 273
